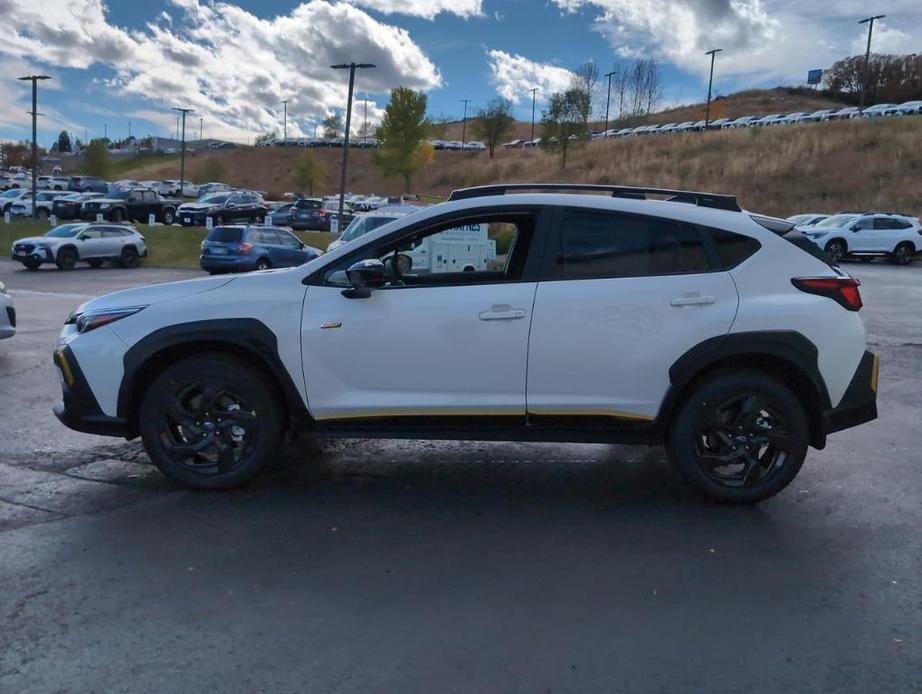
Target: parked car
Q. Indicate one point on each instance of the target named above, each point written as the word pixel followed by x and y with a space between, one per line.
pixel 807 220
pixel 7 314
pixel 244 248
pixel 514 144
pixel 682 127
pixel 793 118
pixel 311 213
pixel 876 111
pixel 210 188
pixel 87 184
pixel 717 123
pixel 770 119
pixel 739 345
pixel 475 146
pixel 68 244
pixel 173 189
pixel 279 216
pixel 361 224
pixel 11 196
pixel 817 116
pixel 741 122
pixel 867 236
pixel 43 202
pixel 70 206
pixel 52 182
pixel 223 208
pixel 907 108
pixel 131 204
pixel 846 113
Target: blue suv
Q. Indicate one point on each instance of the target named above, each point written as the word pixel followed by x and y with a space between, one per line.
pixel 244 248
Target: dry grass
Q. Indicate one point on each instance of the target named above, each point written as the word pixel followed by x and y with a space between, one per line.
pixel 780 170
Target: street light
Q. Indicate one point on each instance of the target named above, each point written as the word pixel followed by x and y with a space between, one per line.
pixel 182 151
pixel 464 123
pixel 867 54
pixel 285 123
pixel 351 67
pixel 707 111
pixel 533 90
pixel 34 79
pixel 607 102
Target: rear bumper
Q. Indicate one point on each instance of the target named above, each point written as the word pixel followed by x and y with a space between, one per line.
pixel 228 262
pixel 79 409
pixel 859 404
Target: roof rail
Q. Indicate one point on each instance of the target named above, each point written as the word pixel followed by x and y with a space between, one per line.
pixel 714 200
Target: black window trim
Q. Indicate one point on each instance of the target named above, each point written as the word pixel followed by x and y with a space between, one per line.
pixel 533 260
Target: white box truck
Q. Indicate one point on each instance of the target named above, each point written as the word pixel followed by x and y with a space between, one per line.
pixel 462 249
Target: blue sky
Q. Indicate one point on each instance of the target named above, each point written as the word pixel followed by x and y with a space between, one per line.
pixel 233 62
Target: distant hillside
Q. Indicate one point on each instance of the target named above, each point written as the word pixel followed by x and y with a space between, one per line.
pixel 820 167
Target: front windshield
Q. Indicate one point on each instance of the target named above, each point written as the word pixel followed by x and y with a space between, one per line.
pixel 12 193
pixel 65 231
pixel 362 225
pixel 837 220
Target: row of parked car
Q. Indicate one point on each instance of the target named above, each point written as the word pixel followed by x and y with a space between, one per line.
pixel 863 235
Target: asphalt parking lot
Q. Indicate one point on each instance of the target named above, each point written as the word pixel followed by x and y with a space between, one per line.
pixel 413 566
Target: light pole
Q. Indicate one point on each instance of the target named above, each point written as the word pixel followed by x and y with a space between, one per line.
pixel 464 122
pixel 285 123
pixel 707 111
pixel 182 151
pixel 34 79
pixel 351 67
pixel 201 129
pixel 867 54
pixel 607 102
pixel 533 91
pixel 365 124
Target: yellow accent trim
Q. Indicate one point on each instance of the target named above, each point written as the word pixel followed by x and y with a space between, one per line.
pixel 479 412
pixel 65 368
pixel 615 414
pixel 875 373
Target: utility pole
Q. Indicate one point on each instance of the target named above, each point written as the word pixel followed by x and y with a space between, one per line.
pixel 365 124
pixel 707 111
pixel 285 123
pixel 464 122
pixel 201 129
pixel 867 55
pixel 182 151
pixel 533 90
pixel 351 67
pixel 129 130
pixel 607 102
pixel 34 79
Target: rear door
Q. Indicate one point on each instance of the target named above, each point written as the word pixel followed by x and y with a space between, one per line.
pixel 621 298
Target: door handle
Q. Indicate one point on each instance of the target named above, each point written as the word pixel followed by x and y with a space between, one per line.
pixel 510 314
pixel 697 300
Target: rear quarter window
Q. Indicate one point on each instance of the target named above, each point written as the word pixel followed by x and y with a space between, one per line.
pixel 732 248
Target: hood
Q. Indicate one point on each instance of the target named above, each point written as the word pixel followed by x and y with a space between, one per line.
pixel 154 293
pixel 38 239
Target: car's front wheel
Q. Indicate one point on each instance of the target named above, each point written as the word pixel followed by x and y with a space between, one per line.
pixel 128 258
pixel 168 216
pixel 67 259
pixel 739 437
pixel 902 254
pixel 836 250
pixel 211 422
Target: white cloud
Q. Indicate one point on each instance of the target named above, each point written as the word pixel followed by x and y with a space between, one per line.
pixel 515 75
pixel 231 66
pixel 428 9
pixel 884 39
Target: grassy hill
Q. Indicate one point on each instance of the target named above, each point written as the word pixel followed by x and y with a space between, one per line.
pixel 818 167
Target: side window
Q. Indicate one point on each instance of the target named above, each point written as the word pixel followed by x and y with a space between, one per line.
pixel 92 233
pixel 288 239
pixel 271 237
pixel 595 245
pixel 732 248
pixel 863 224
pixel 472 250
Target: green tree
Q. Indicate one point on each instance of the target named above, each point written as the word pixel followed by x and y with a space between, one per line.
pixel 96 159
pixel 564 122
pixel 64 142
pixel 403 131
pixel 308 172
pixel 494 122
pixel 333 126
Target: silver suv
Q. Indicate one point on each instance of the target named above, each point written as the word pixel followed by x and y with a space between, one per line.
pixel 68 244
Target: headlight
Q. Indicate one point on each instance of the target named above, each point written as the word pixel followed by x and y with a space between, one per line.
pixel 819 234
pixel 96 319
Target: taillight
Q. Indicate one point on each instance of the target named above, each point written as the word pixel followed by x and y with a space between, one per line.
pixel 322 213
pixel 843 290
pixel 246 247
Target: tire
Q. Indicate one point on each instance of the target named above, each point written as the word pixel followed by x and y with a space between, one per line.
pixel 116 216
pixel 67 258
pixel 739 437
pixel 94 262
pixel 128 258
pixel 42 213
pixel 262 264
pixel 168 216
pixel 902 254
pixel 836 249
pixel 866 258
pixel 32 266
pixel 191 405
pixel 218 220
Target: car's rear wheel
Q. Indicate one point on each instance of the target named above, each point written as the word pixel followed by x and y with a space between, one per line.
pixel 67 259
pixel 902 254
pixel 263 264
pixel 94 262
pixel 128 257
pixel 211 422
pixel 117 216
pixel 42 213
pixel 168 216
pixel 739 437
pixel 836 250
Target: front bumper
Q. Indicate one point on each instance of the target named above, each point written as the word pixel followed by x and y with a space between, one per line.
pixel 37 255
pixel 859 404
pixel 79 410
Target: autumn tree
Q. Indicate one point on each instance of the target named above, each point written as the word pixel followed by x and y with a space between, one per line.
pixel 333 126
pixel 308 172
pixel 564 122
pixel 494 122
pixel 403 132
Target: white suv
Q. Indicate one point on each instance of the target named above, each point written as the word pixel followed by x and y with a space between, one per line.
pixel 68 244
pixel 867 236
pixel 601 318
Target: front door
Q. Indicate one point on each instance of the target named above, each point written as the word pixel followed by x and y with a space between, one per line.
pixel 428 343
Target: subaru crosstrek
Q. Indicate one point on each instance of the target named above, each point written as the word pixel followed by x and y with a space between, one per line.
pixel 687 322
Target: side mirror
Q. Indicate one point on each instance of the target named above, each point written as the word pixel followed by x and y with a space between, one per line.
pixel 364 276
